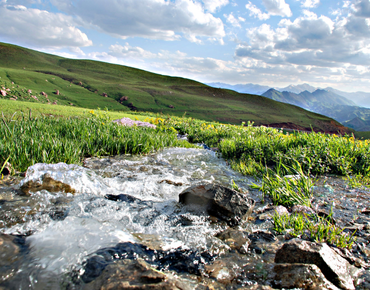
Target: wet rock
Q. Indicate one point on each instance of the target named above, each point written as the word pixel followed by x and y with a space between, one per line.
pixel 221 271
pixel 171 182
pixel 121 197
pixel 129 274
pixel 219 201
pixel 10 255
pixel 363 281
pixel 336 269
pixel 46 183
pixel 178 260
pixel 301 276
pixel 235 239
pixel 58 214
pixel 261 240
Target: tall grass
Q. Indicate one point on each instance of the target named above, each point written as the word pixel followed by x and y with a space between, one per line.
pixel 27 141
pixel 313 227
pixel 250 149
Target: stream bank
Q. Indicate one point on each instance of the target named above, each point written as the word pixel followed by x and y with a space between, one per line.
pixel 122 226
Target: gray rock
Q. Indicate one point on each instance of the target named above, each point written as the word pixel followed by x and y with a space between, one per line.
pixel 336 269
pixel 220 201
pixel 302 209
pixel 281 210
pixel 301 276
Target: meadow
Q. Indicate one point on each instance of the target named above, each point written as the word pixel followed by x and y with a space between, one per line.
pixel 91 84
pixel 285 164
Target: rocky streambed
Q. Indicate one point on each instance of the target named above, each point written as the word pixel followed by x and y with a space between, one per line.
pixel 169 221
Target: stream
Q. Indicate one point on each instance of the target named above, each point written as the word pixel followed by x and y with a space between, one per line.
pixel 129 206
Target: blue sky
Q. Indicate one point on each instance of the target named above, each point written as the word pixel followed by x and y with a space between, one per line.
pixel 267 42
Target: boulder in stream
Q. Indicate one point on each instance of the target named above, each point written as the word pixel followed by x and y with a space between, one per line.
pixel 335 268
pixel 219 201
pixel 47 183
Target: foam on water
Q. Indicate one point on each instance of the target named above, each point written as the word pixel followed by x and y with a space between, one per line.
pixel 94 222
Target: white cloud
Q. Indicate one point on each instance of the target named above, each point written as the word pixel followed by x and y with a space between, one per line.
pixel 277 7
pixel 40 28
pixel 128 51
pixel 155 19
pixel 338 49
pixel 256 12
pixel 213 5
pixel 310 3
pixel 233 20
pixel 362 8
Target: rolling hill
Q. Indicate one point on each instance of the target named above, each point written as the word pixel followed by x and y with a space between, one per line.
pixel 92 84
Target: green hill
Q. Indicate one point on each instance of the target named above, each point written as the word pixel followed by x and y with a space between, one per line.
pixel 92 84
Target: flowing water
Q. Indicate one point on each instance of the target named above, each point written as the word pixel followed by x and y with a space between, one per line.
pixel 63 229
pixel 59 231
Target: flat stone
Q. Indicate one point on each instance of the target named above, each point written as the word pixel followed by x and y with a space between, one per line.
pixel 302 276
pixel 335 268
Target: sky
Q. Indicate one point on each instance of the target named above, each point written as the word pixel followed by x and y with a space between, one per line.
pixel 267 42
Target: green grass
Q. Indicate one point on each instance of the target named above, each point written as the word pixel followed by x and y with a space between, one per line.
pixel 314 228
pixel 287 186
pixel 31 133
pixel 28 140
pixel 83 82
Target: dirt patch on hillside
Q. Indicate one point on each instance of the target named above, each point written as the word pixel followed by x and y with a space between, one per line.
pixel 331 127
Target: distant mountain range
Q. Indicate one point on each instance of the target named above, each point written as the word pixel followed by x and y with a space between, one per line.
pixel 361 99
pixel 317 101
pixel 326 103
pixel 351 109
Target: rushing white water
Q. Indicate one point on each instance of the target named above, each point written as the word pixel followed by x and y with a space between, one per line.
pixel 93 222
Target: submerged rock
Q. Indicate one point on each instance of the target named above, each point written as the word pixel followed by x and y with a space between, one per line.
pixel 47 183
pixel 11 248
pixel 335 268
pixel 220 201
pixel 235 239
pixel 178 260
pixel 134 274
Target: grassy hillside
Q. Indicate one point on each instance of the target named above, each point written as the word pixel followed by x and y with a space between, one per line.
pixel 92 84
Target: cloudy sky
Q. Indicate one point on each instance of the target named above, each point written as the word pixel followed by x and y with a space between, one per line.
pixel 267 42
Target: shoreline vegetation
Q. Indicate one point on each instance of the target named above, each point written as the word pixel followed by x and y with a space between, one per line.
pixel 285 164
